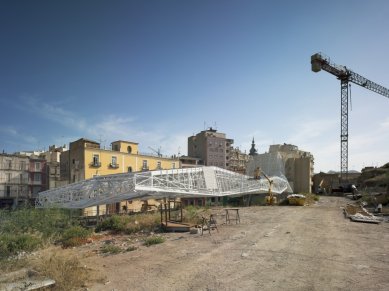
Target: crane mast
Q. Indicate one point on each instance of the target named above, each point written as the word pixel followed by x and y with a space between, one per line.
pixel 321 62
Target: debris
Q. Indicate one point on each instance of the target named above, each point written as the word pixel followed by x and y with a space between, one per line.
pixel 24 279
pixel 245 255
pixel 296 199
pixel 358 213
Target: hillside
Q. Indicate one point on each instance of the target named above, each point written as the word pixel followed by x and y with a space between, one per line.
pixel 372 177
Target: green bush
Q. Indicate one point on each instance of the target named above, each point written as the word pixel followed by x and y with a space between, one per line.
pixel 130 224
pixel 131 248
pixel 12 244
pixel 115 223
pixel 110 249
pixel 153 240
pixel 48 222
pixel 75 236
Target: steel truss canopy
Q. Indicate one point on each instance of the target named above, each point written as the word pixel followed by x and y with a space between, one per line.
pixel 189 182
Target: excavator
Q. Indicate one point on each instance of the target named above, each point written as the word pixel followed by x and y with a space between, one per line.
pixel 270 199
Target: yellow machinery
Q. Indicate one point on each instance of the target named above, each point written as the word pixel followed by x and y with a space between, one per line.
pixel 270 199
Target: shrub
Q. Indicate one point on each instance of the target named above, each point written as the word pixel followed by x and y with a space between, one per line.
pixel 67 272
pixel 48 222
pixel 114 223
pixel 193 214
pixel 153 240
pixel 12 244
pixel 110 249
pixel 130 224
pixel 131 248
pixel 75 236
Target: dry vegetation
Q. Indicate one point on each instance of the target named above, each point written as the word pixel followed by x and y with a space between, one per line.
pixel 24 232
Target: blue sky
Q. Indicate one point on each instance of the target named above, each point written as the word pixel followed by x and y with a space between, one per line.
pixel 156 72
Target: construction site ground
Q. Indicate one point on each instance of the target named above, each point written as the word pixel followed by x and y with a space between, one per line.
pixel 273 248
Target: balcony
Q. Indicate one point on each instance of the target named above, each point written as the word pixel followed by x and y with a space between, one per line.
pixel 33 182
pixel 95 164
pixel 114 166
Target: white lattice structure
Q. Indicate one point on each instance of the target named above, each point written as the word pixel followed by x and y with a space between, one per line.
pixel 201 181
pixel 270 163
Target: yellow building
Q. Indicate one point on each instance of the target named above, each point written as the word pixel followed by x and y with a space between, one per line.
pixel 85 159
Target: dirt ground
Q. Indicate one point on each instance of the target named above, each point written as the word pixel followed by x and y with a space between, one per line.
pixel 273 248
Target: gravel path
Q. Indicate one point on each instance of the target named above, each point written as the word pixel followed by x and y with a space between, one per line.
pixel 274 248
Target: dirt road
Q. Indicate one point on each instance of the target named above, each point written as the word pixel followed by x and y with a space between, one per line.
pixel 273 248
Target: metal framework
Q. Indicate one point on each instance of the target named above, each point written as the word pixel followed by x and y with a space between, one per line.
pixel 345 75
pixel 198 182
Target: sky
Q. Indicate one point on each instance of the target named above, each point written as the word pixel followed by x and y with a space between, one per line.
pixel 157 72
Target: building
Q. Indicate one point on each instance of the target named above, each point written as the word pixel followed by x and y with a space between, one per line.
pixel 211 147
pixel 253 150
pixel 237 161
pixel 37 175
pixel 22 177
pixel 189 162
pixel 85 159
pixel 325 183
pixel 52 157
pixel 286 159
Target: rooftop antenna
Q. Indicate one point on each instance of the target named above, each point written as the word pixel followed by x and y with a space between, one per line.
pixel 102 141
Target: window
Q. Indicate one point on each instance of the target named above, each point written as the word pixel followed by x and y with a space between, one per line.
pixel 144 165
pixel 129 169
pixel 129 149
pixel 173 165
pixel 37 177
pixel 8 177
pixel 22 165
pixel 114 163
pixel 9 163
pixel 159 165
pixel 36 190
pixel 8 191
pixel 37 166
pixel 96 162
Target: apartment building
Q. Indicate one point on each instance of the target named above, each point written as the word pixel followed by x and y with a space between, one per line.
pixel 237 160
pixel 85 159
pixel 52 157
pixel 211 147
pixel 22 177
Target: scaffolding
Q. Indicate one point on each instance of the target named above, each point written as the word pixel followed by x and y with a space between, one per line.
pixel 184 183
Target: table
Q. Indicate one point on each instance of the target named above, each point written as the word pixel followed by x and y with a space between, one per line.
pixel 229 218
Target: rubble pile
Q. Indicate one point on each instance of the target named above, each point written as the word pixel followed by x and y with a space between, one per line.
pixel 358 213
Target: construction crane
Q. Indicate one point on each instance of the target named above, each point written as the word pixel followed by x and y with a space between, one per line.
pixel 321 62
pixel 158 152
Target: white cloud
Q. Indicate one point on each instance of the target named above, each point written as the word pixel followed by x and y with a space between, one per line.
pixel 17 137
pixel 53 112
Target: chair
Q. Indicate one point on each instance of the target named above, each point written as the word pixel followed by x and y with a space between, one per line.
pixel 209 224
